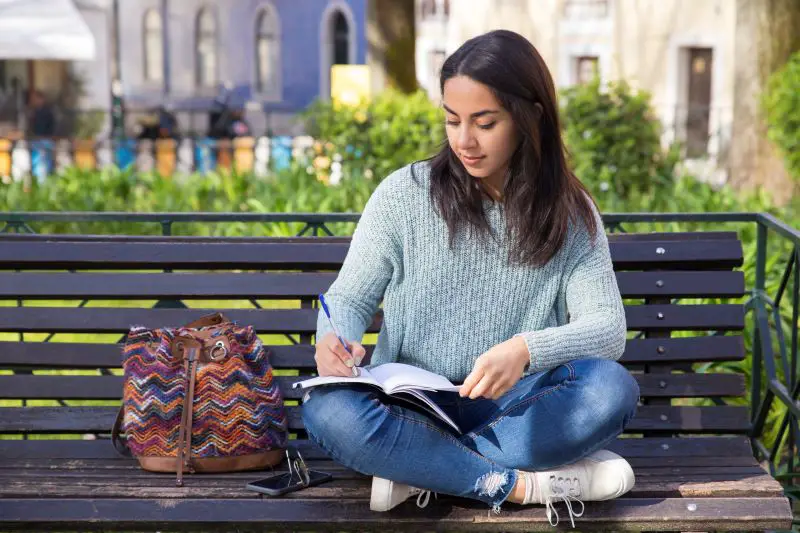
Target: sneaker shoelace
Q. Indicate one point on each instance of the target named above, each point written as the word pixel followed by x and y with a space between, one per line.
pixel 423 497
pixel 567 490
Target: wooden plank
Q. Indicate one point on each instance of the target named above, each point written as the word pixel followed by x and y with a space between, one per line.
pixel 690 385
pixel 174 255
pixel 726 317
pixel 702 450
pixel 223 254
pixel 93 355
pixel 43 387
pixel 623 514
pixel 673 236
pixel 109 238
pixel 612 237
pixel 678 255
pixel 128 467
pixel 691 284
pixel 129 470
pixel 123 483
pixel 727 419
pixel 295 285
pixel 685 349
pixel 118 320
pixel 186 286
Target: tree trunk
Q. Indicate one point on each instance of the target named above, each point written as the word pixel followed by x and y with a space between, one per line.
pixel 767 33
pixel 391 44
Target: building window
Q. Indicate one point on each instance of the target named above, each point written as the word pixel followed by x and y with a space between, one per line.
pixel 698 100
pixel 206 71
pixel 432 8
pixel 341 40
pixel 435 61
pixel 153 40
pixel 267 52
pixel 427 9
pixel 585 9
pixel 586 69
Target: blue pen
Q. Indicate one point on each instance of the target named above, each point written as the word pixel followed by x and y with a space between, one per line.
pixel 356 372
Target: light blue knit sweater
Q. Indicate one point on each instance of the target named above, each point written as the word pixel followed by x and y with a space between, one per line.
pixel 444 307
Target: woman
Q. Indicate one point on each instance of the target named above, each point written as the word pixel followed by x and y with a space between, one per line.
pixel 494 271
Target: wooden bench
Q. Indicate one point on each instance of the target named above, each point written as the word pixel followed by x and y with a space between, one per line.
pixel 694 465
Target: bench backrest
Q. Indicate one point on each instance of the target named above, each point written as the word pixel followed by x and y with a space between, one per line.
pixel 68 301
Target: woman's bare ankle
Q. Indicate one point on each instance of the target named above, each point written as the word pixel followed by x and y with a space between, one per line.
pixel 518 492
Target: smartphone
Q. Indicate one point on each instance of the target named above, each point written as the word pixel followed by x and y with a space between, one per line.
pixel 280 484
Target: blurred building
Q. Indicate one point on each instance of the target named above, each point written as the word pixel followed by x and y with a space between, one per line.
pixel 39 41
pixel 682 52
pixel 274 56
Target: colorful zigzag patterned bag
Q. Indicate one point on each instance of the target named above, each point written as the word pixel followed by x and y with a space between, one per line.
pixel 200 398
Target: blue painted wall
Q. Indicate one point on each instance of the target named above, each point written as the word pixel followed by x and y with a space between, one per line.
pixel 300 26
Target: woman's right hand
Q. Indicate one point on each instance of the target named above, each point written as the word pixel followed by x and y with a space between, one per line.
pixel 333 360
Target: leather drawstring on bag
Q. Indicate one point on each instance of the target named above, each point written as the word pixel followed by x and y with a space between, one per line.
pixel 183 459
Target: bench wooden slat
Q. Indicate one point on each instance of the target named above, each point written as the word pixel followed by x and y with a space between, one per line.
pixel 626 255
pixel 665 450
pixel 118 320
pixel 723 482
pixel 647 236
pixel 176 255
pixel 308 513
pixel 86 355
pixel 658 466
pixel 110 387
pixel 727 419
pixel 65 285
pixel 32 355
pixel 129 470
pixel 685 349
pixel 296 285
pixel 724 284
pixel 643 236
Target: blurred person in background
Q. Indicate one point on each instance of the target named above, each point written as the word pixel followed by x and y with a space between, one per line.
pixel 41 116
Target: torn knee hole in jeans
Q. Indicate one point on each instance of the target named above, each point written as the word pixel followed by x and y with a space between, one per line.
pixel 490 484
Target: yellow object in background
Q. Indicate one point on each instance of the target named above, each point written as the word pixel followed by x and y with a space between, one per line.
pixel 166 156
pixel 5 158
pixel 244 153
pixel 85 157
pixel 350 84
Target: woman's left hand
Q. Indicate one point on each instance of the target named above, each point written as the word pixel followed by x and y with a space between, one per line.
pixel 497 370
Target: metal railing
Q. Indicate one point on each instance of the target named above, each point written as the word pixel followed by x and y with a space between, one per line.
pixel 775 371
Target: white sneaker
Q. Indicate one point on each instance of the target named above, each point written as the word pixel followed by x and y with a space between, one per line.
pixel 603 475
pixel 387 494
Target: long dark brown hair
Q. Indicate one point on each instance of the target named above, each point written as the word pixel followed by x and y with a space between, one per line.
pixel 541 194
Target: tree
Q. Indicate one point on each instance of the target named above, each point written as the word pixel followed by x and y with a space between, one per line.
pixel 767 33
pixel 391 44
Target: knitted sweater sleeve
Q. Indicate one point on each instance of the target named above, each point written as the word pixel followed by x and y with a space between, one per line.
pixel 597 325
pixel 374 254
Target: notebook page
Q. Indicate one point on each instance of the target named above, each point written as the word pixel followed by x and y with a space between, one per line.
pixel 365 378
pixel 397 376
pixel 421 396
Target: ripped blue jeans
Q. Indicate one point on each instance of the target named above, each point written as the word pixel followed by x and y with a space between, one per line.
pixel 546 420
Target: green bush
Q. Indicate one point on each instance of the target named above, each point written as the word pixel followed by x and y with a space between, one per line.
pixel 377 136
pixel 781 103
pixel 614 139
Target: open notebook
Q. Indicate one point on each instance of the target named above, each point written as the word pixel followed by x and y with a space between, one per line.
pixel 404 382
